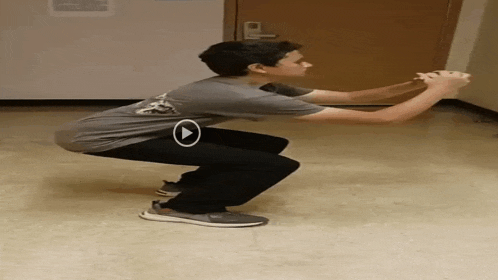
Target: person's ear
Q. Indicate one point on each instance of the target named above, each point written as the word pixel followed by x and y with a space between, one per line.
pixel 257 67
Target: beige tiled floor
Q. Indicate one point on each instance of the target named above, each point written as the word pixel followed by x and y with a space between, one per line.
pixel 412 201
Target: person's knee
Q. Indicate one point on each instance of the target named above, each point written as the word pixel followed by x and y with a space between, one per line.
pixel 295 165
pixel 290 164
pixel 282 142
pixel 273 162
pixel 278 144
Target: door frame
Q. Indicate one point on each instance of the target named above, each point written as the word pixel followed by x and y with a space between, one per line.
pixel 445 35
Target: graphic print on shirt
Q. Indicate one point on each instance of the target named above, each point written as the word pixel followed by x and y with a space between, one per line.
pixel 160 107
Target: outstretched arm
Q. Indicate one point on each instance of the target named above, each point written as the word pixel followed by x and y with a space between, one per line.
pixel 387 92
pixel 438 85
pixel 361 96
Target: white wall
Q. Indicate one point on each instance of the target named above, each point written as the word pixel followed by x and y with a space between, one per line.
pixel 483 63
pixel 146 48
pixel 474 51
pixel 465 34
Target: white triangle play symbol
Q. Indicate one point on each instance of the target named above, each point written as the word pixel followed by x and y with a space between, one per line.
pixel 185 133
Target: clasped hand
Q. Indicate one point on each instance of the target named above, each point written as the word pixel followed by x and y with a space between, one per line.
pixel 442 78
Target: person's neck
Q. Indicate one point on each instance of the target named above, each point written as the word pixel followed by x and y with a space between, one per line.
pixel 254 80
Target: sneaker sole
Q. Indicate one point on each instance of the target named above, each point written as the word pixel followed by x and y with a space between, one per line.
pixel 167 194
pixel 161 218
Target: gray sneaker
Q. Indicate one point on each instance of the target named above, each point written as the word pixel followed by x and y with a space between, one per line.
pixel 169 189
pixel 217 219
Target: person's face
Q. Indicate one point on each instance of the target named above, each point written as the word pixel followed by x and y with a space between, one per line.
pixel 290 65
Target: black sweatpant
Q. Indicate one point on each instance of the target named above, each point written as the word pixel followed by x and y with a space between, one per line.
pixel 234 167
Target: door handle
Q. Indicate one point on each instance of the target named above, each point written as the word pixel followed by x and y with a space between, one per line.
pixel 252 31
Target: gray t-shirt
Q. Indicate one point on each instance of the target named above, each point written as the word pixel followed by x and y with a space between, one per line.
pixel 207 102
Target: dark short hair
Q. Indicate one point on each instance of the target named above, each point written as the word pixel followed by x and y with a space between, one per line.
pixel 232 58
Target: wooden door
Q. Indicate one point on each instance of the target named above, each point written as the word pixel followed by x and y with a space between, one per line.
pixel 355 45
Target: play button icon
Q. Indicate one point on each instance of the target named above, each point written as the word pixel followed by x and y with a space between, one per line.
pixel 189 134
pixel 186 133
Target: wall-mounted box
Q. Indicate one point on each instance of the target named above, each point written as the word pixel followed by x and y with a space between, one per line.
pixel 81 8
